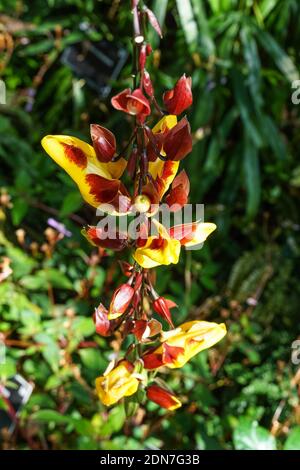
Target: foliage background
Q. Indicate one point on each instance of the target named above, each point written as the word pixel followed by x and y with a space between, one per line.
pixel 243 56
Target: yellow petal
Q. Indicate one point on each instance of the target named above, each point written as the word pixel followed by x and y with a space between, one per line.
pixel 164 170
pixel 198 335
pixel 150 256
pixel 116 384
pixel 167 122
pixel 203 230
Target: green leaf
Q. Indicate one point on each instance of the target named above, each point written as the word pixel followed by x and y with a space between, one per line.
pixel 280 57
pixel 8 368
pixel 92 358
pixel 71 203
pixel 41 280
pixel 19 210
pixel 50 350
pixel 115 421
pixel 293 440
pixel 206 43
pixel 250 436
pixel 252 177
pixel 51 416
pixel 253 62
pixel 245 108
pixel 188 23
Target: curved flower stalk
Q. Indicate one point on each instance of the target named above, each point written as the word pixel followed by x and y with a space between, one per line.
pixel 151 158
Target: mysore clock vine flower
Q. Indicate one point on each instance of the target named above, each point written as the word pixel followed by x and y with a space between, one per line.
pixel 151 162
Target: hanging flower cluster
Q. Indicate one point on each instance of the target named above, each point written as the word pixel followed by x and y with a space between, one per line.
pixel 153 157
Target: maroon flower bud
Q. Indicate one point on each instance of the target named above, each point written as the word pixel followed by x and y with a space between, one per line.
pixel 143 56
pixel 101 321
pixel 180 98
pixel 120 301
pixel 104 143
pixel 147 84
pixel 163 397
pixel 162 307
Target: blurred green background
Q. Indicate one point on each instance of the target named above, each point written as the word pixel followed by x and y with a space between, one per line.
pixel 243 56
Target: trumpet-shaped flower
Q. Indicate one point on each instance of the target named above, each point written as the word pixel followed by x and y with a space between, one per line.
pixel 164 248
pixel 179 345
pixel 117 383
pixel 192 234
pixel 97 181
pixel 134 103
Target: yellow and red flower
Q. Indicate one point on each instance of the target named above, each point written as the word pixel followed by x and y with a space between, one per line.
pixel 179 345
pixel 118 383
pixel 97 181
pixel 164 248
pixel 163 397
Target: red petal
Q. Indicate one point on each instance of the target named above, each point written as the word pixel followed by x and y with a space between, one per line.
pixel 184 232
pixel 170 353
pixel 161 307
pixel 161 397
pixel 104 143
pixel 120 100
pixel 137 103
pixel 180 98
pixel 178 195
pixel 178 141
pixel 152 361
pixel 115 241
pixel 139 328
pixel 102 189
